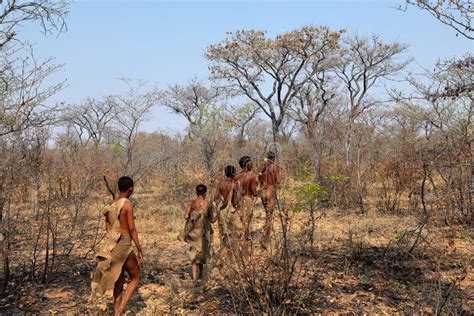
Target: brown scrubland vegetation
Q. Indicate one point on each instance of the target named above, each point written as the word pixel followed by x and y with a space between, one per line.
pixel 375 213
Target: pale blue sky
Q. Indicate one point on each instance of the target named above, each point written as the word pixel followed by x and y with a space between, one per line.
pixel 164 41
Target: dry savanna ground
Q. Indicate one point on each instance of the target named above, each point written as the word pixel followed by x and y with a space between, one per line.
pixel 355 265
pixel 373 137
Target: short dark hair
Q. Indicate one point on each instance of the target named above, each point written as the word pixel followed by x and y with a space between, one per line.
pixel 243 161
pixel 201 189
pixel 246 161
pixel 125 183
pixel 271 155
pixel 229 171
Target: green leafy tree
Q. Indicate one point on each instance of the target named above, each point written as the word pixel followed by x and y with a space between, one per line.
pixel 307 197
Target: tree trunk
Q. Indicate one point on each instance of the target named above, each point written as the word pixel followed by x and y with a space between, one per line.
pixel 471 185
pixel 313 225
pixel 312 138
pixel 46 260
pixel 241 139
pixel 360 185
pixel 348 144
pixel 4 248
pixel 276 130
pixel 34 196
pixel 5 265
pixel 310 131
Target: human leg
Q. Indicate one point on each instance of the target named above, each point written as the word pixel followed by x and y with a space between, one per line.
pixel 248 214
pixel 269 205
pixel 118 289
pixel 195 271
pixel 133 271
pixel 201 270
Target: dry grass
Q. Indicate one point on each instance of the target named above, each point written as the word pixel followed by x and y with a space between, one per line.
pixel 354 266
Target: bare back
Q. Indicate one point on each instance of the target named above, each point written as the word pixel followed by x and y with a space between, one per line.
pixel 240 175
pixel 223 190
pixel 249 184
pixel 270 176
pixel 199 205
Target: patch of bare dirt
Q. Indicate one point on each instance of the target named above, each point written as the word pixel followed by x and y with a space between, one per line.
pixel 371 279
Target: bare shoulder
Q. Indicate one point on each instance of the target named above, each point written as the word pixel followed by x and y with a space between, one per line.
pixel 251 177
pixel 127 206
pixel 240 175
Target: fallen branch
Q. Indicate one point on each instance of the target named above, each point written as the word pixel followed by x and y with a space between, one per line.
pixel 108 188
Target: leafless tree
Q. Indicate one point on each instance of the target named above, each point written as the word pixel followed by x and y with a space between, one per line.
pixel 199 106
pixel 191 101
pixel 134 108
pixel 312 101
pixel 456 14
pixel 241 116
pixel 453 79
pixel 50 14
pixel 448 114
pixel 270 71
pixel 92 119
pixel 364 64
pixel 23 93
pixel 34 155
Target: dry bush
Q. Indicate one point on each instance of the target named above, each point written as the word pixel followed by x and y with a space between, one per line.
pixel 355 153
pixel 269 280
pixel 396 178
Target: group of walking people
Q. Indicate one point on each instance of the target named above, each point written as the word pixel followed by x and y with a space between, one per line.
pixel 231 207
